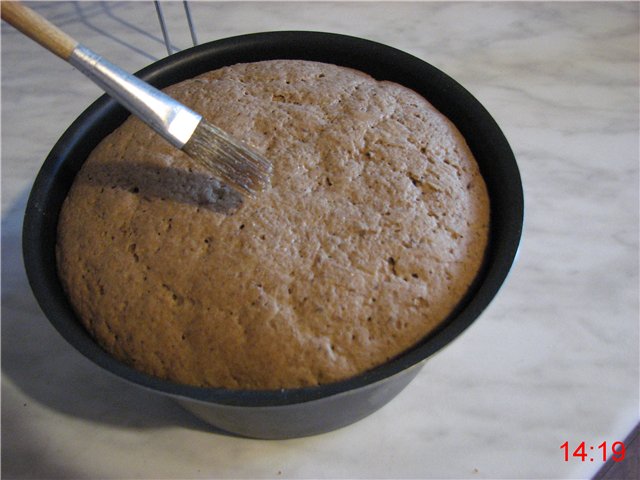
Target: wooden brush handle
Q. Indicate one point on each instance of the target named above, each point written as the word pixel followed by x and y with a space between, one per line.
pixel 38 28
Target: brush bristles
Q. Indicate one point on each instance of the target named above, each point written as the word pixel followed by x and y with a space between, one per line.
pixel 228 159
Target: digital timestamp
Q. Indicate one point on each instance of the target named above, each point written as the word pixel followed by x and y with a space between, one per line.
pixel 590 453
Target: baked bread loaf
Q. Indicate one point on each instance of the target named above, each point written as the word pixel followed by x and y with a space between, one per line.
pixel 373 229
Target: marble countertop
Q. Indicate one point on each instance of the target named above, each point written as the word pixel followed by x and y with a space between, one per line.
pixel 555 358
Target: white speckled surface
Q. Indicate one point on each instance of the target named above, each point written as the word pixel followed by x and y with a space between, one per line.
pixel 554 358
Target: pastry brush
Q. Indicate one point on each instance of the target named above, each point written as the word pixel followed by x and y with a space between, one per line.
pixel 225 157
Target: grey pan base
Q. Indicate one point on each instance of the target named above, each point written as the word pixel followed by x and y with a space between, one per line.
pixel 302 419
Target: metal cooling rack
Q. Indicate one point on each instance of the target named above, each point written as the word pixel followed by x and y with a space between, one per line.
pixel 165 32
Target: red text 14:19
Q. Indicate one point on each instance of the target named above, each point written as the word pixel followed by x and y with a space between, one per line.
pixel 617 451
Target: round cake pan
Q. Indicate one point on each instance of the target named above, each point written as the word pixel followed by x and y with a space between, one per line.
pixel 289 412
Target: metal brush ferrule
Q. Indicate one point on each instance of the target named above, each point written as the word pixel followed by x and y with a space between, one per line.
pixel 175 122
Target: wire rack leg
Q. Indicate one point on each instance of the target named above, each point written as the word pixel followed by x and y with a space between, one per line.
pixel 163 27
pixel 192 29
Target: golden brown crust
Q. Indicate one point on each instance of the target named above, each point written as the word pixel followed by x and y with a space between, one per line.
pixel 374 227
